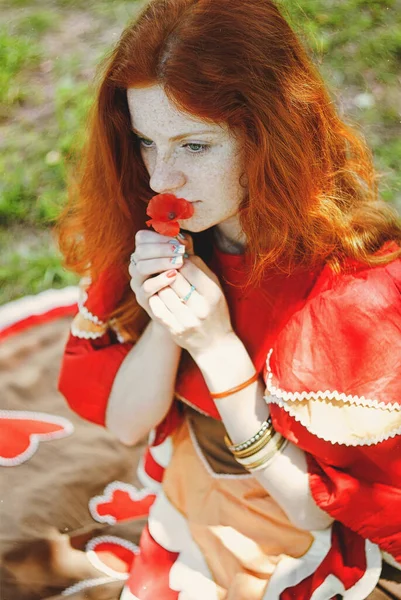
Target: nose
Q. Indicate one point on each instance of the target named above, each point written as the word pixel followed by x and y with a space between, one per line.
pixel 165 177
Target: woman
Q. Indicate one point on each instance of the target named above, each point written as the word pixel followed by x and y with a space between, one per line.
pixel 262 347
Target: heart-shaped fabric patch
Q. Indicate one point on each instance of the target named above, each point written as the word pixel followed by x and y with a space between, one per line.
pixel 112 555
pixel 21 432
pixel 120 502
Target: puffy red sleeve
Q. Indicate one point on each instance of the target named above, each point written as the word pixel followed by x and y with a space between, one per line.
pixel 87 373
pixel 94 350
pixel 333 382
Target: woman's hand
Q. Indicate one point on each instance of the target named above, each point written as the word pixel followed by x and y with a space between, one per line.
pixel 155 254
pixel 203 320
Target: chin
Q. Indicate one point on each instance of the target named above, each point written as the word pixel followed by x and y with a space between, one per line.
pixel 195 227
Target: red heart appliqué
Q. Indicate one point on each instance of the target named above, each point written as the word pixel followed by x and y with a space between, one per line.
pixel 112 555
pixel 21 432
pixel 121 501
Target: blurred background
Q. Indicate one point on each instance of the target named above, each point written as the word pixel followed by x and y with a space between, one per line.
pixel 48 54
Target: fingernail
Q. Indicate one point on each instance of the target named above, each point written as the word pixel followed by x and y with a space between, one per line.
pixel 171 273
pixel 177 260
pixel 180 249
pixel 181 236
pixel 186 255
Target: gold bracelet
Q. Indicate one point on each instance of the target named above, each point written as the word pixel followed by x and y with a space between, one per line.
pixel 263 462
pixel 265 454
pixel 256 446
pixel 244 445
pixel 237 388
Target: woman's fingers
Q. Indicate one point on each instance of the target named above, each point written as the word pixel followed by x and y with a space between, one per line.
pixel 166 249
pixel 204 280
pixel 145 268
pixel 164 315
pixel 181 312
pixel 182 288
pixel 153 285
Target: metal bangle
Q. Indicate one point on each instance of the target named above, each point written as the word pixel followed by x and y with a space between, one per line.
pixel 271 450
pixel 244 445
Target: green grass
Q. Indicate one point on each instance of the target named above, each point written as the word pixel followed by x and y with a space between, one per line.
pixel 48 52
pixel 16 55
pixel 29 263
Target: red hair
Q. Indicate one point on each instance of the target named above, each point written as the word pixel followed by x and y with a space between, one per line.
pixel 312 186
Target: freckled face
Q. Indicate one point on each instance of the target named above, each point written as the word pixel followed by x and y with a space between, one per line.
pixel 188 157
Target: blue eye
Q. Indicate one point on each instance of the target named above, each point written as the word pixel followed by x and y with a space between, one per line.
pixel 197 148
pixel 144 142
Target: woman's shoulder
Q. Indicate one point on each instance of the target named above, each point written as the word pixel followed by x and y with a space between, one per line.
pixel 359 283
pixel 348 317
pixel 340 354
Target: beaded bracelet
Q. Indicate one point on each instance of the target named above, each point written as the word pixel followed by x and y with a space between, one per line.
pixel 235 448
pixel 258 445
pixel 261 459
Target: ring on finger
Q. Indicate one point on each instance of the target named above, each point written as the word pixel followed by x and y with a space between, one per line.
pixel 187 297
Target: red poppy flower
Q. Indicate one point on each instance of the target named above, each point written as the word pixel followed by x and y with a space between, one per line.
pixel 165 210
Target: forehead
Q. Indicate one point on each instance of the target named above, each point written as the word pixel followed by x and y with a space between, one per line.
pixel 151 112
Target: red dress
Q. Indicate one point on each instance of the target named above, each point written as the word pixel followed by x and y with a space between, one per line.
pixel 329 349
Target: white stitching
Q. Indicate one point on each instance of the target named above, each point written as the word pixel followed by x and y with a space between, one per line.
pixel 35 438
pixel 329 395
pixel 87 583
pixel 107 496
pixel 362 442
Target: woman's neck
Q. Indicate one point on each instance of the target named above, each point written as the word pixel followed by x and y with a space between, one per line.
pixel 229 238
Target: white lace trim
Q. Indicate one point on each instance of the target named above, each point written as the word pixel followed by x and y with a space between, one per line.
pixel 84 311
pixel 329 395
pixel 368 441
pixel 85 335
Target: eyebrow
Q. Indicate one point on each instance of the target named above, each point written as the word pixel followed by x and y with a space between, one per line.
pixel 177 137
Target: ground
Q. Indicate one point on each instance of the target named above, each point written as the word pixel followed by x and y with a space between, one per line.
pixel 48 53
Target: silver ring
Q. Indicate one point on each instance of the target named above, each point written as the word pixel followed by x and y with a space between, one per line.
pixel 132 259
pixel 187 297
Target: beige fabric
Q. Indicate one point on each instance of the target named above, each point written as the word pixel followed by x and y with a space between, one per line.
pixel 340 422
pixel 239 528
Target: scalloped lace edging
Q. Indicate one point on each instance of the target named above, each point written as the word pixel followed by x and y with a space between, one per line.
pixel 368 441
pixel 86 335
pixel 85 312
pixel 327 394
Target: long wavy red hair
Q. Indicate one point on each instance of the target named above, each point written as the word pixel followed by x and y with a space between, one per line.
pixel 312 187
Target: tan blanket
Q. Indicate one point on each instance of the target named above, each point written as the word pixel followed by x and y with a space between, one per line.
pixel 44 517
